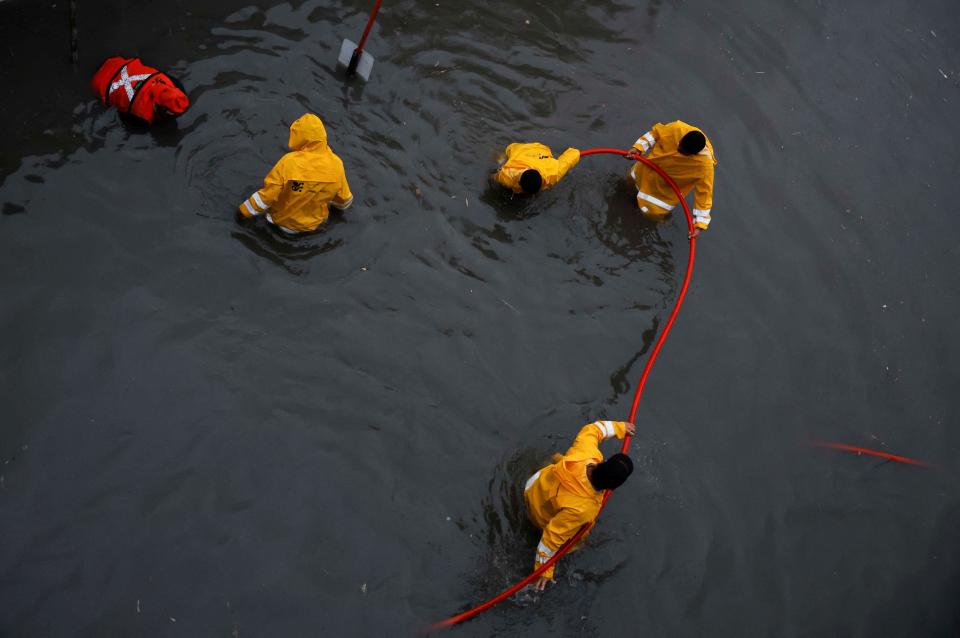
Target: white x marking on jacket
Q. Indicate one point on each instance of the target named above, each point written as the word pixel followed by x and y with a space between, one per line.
pixel 126 81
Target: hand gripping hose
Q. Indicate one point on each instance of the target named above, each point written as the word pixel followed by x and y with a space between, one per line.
pixel 453 620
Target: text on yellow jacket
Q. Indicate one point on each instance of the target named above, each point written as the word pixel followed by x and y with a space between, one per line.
pixel 299 189
pixel 523 156
pixel 688 171
pixel 560 498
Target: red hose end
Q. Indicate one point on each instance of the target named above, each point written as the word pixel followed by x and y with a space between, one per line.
pixel 844 447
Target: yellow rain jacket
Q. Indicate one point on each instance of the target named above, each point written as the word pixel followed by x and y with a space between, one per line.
pixel 299 189
pixel 688 171
pixel 539 157
pixel 560 497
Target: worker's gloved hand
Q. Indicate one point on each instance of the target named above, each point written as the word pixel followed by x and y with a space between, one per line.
pixel 634 154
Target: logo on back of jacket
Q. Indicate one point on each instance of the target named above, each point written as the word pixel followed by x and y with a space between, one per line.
pixel 296 186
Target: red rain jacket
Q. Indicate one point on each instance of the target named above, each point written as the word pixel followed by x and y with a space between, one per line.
pixel 137 89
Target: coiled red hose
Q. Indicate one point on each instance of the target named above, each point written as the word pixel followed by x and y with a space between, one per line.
pixel 453 620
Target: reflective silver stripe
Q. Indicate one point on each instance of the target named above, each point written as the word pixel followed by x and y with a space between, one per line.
pixel 250 208
pixel 532 480
pixel 126 80
pixel 649 198
pixel 602 426
pixel 343 206
pixel 646 141
pixel 606 429
pixel 702 215
pixel 283 228
pixel 654 200
pixel 546 551
pixel 264 207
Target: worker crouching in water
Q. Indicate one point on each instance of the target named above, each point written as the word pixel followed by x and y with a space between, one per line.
pixel 563 497
pixel 686 155
pixel 298 191
pixel 529 168
pixel 139 90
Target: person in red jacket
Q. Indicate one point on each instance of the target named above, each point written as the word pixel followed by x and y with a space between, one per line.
pixel 139 90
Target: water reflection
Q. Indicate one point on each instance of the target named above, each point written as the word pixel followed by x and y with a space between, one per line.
pixel 287 251
pixel 506 536
pixel 635 237
pixel 483 238
pixel 621 378
pixel 164 131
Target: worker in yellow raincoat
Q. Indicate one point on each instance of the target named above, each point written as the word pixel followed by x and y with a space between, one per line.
pixel 530 167
pixel 562 497
pixel 686 155
pixel 300 188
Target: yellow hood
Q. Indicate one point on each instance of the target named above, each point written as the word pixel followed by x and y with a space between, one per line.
pixel 307 133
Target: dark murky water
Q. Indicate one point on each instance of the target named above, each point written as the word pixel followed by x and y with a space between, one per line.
pixel 260 436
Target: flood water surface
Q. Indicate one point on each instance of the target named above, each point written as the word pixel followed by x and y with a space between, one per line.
pixel 210 428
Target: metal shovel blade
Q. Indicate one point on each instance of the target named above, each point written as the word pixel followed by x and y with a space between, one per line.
pixel 364 62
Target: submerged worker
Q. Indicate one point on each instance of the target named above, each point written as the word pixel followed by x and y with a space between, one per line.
pixel 530 167
pixel 566 495
pixel 686 155
pixel 298 191
pixel 139 90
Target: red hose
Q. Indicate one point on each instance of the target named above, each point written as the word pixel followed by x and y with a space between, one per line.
pixel 595 151
pixel 453 620
pixel 366 31
pixel 862 450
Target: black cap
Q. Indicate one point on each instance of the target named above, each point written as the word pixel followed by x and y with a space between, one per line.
pixel 692 143
pixel 530 181
pixel 611 474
